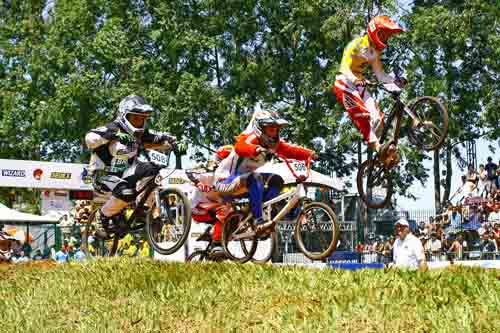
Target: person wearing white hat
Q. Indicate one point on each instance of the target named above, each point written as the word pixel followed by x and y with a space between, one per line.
pixel 408 250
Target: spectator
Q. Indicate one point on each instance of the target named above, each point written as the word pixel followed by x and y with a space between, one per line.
pixel 408 250
pixel 79 254
pixel 434 245
pixel 27 249
pixel 359 247
pixel 455 218
pixel 62 256
pixel 496 234
pixel 488 246
pixel 458 247
pixel 491 170
pixel 483 178
pixel 472 180
pixel 387 252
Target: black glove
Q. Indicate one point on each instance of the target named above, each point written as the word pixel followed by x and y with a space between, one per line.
pixel 165 137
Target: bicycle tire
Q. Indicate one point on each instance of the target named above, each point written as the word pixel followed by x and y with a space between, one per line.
pixel 186 223
pixel 269 254
pixel 362 181
pixel 416 134
pixel 230 224
pixel 335 231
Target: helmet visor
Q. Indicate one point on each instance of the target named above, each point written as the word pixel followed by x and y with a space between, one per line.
pixel 138 120
pixel 272 131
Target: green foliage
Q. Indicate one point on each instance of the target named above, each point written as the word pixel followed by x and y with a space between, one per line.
pixel 207 65
pixel 145 296
pixel 452 55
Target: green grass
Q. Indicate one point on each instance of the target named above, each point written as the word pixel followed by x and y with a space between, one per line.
pixel 126 295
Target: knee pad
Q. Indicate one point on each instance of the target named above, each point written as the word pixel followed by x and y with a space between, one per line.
pixel 123 192
pixel 275 181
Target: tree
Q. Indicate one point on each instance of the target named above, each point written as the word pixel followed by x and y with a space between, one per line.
pixel 454 56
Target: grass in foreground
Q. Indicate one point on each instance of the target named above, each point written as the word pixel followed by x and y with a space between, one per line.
pixel 123 295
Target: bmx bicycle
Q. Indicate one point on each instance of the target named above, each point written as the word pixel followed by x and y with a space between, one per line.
pixel 316 230
pixel 428 127
pixel 163 213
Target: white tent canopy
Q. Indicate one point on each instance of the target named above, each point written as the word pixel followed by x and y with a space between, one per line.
pixel 178 178
pixel 12 216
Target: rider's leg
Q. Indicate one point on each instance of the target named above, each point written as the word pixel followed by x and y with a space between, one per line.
pixel 376 128
pixel 255 187
pixel 350 97
pixel 274 185
pixel 216 237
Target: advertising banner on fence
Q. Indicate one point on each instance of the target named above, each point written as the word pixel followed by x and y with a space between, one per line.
pixel 36 174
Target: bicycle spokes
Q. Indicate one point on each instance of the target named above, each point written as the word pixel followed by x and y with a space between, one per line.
pixel 374 183
pixel 428 124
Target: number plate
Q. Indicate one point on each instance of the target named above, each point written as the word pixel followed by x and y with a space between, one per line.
pixel 299 166
pixel 158 158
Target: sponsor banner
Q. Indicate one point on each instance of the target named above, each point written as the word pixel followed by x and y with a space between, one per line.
pixel 47 175
pixel 13 173
pixel 178 178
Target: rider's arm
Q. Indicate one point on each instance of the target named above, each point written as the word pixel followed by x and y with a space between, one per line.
pixel 293 151
pixel 156 140
pixel 246 145
pixel 100 136
pixel 378 70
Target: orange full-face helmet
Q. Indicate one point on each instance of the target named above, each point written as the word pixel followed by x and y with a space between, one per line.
pixel 380 29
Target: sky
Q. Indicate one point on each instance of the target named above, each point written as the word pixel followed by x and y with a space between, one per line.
pixel 425 193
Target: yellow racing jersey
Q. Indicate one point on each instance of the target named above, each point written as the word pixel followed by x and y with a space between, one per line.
pixel 357 56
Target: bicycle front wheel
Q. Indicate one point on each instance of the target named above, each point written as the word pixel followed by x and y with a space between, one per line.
pixel 431 126
pixel 237 247
pixel 317 231
pixel 374 183
pixel 265 249
pixel 168 229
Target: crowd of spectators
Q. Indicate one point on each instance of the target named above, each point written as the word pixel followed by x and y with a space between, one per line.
pixel 439 243
pixel 484 182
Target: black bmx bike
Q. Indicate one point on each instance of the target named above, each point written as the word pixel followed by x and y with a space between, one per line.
pixel 163 213
pixel 427 123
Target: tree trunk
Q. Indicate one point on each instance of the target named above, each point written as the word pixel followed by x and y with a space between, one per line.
pixel 437 182
pixel 449 172
pixel 178 160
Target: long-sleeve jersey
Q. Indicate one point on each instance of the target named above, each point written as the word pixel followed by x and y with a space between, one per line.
pixel 244 157
pixel 358 54
pixel 114 148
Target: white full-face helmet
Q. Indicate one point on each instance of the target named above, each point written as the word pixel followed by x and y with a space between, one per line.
pixel 133 105
pixel 264 119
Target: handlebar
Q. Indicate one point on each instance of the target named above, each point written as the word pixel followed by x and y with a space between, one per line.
pixel 300 178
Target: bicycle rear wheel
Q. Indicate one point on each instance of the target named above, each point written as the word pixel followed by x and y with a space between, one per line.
pixel 239 250
pixel 374 183
pixel 167 232
pixel 265 249
pixel 432 129
pixel 317 231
